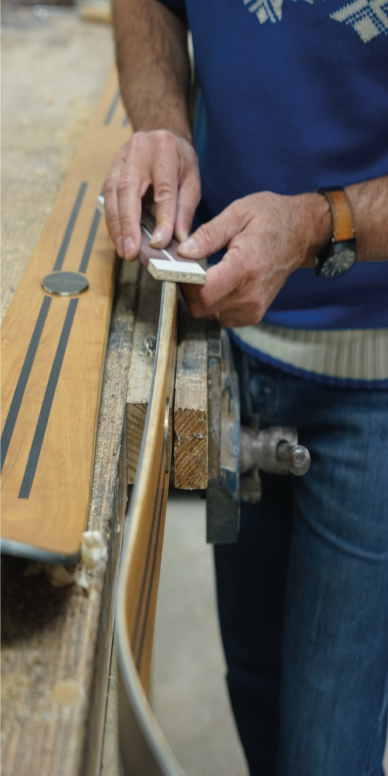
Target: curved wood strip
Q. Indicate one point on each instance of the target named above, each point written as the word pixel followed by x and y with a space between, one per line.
pixel 143 747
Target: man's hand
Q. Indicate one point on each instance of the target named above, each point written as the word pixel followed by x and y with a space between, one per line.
pixel 267 236
pixel 166 162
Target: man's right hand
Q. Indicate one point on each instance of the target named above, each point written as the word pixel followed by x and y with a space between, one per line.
pixel 166 162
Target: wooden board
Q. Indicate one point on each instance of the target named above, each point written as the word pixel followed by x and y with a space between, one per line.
pixel 142 366
pixel 56 642
pixel 143 747
pixel 53 351
pixel 190 408
pixel 190 405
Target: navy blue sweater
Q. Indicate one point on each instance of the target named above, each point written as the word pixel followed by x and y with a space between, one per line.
pixel 293 97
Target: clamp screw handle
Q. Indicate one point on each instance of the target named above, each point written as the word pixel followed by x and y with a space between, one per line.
pixel 297 457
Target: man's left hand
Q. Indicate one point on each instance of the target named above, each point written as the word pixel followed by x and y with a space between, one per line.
pixel 267 236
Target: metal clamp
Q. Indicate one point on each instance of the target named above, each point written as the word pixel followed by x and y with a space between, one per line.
pixel 275 450
pixel 235 450
pixel 222 496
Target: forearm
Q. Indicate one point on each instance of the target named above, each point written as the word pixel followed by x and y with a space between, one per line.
pixel 153 64
pixel 369 206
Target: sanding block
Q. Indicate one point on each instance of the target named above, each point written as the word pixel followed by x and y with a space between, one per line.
pixel 164 264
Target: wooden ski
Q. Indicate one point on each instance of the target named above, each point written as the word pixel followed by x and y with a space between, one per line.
pixel 54 338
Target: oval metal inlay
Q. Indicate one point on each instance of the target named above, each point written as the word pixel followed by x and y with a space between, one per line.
pixel 65 283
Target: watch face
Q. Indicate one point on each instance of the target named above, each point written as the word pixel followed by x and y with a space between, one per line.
pixel 343 257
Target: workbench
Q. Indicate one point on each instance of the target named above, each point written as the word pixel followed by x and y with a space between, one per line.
pixel 57 641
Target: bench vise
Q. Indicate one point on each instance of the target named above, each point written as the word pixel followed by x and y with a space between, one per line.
pixel 235 450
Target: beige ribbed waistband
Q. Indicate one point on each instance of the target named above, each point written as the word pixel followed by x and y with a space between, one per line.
pixel 351 354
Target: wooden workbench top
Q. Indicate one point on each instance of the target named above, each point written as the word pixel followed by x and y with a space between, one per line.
pixel 56 642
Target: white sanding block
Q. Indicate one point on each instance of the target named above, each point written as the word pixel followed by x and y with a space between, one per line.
pixel 164 264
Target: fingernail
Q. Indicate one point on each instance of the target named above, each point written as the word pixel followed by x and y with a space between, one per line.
pixel 120 246
pixel 129 245
pixel 189 246
pixel 182 235
pixel 157 237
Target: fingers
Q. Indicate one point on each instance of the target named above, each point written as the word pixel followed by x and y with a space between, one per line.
pixel 233 289
pixel 188 200
pixel 111 204
pixel 135 177
pixel 177 189
pixel 131 188
pixel 214 235
pixel 124 186
pixel 264 234
pixel 238 318
pixel 167 163
pixel 222 280
pixel 165 175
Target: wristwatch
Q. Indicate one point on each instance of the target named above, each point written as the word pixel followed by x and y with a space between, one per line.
pixel 340 253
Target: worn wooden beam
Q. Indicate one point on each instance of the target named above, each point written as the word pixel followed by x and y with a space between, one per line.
pixel 190 410
pixel 142 364
pixel 109 500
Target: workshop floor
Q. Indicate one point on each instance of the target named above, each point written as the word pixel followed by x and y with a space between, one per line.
pixel 53 71
pixel 188 690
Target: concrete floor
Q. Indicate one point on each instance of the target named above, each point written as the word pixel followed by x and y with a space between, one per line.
pixel 189 692
pixel 53 71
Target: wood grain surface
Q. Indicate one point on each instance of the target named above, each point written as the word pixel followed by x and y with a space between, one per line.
pixel 141 561
pixel 142 365
pixel 53 351
pixel 190 408
pixel 56 642
pixel 140 736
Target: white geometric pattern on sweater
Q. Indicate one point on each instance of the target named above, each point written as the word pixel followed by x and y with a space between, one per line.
pixel 368 18
pixel 265 9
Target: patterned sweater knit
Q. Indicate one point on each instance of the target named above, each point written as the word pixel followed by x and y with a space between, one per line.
pixel 293 97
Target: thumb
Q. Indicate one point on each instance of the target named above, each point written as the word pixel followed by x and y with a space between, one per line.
pixel 213 236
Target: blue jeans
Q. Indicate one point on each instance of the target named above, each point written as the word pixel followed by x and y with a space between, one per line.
pixel 303 595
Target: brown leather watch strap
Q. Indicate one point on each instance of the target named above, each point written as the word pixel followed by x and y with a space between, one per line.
pixel 341 214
